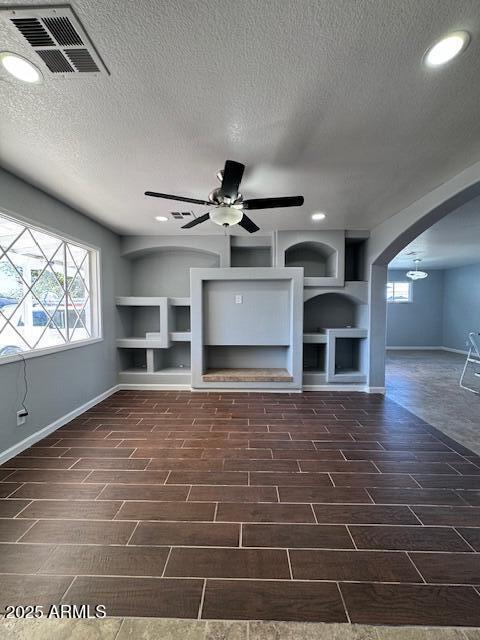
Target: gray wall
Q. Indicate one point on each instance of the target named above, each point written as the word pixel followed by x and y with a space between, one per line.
pixel 262 318
pixel 420 322
pixel 166 272
pixel 445 308
pixel 65 380
pixel 461 305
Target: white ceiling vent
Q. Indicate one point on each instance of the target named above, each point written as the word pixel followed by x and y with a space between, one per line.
pixel 180 215
pixel 57 36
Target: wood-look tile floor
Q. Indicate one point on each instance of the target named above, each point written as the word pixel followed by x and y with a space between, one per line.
pixel 313 507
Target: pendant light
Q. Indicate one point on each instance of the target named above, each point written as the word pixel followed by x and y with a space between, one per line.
pixel 416 274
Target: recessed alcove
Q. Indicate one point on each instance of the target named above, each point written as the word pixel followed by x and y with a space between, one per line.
pixel 181 318
pixel 132 360
pixel 318 260
pixel 255 256
pixel 314 357
pixel 355 259
pixel 176 358
pixel 329 311
pixel 347 355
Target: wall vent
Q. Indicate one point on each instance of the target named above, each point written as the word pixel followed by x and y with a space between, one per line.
pixel 180 215
pixel 57 36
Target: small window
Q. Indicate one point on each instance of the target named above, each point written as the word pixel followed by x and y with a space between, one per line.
pixel 48 290
pixel 399 291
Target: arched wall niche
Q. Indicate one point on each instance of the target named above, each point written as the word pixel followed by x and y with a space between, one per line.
pixel 165 271
pixel 318 259
pixel 332 311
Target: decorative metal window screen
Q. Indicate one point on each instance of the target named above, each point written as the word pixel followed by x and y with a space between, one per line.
pixel 47 289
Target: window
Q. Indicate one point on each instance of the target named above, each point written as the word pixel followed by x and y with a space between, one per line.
pixel 399 291
pixel 48 290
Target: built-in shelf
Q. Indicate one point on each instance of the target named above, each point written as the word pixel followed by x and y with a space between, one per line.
pixel 138 301
pixel 179 302
pixel 150 301
pixel 180 336
pixel 247 375
pixel 139 343
pixel 318 338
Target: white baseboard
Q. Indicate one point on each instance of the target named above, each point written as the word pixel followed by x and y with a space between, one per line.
pixel 53 426
pixel 154 387
pixel 461 351
pixel 438 348
pixel 343 387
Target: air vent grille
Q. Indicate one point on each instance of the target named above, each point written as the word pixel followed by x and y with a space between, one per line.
pixel 33 31
pixel 55 61
pixel 57 35
pixel 63 31
pixel 81 60
pixel 180 215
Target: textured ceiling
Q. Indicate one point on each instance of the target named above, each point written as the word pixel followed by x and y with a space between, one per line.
pixel 452 242
pixel 324 98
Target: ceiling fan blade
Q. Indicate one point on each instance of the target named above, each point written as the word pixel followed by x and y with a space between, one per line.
pixel 273 203
pixel 232 176
pixel 167 196
pixel 195 221
pixel 248 224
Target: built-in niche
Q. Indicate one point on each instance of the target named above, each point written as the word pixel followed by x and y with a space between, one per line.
pixel 181 318
pixel 330 311
pixel 314 357
pixel 317 259
pixel 177 357
pixel 133 360
pixel 166 271
pixel 255 256
pixel 347 355
pixel 245 357
pixel 355 259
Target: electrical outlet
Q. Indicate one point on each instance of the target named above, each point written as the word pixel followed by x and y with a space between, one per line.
pixel 21 417
pixel 238 299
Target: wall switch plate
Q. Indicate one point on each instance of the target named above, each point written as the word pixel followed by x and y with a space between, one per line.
pixel 20 418
pixel 238 299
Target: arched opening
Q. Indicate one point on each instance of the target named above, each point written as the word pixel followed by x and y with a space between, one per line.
pixel 413 338
pixel 318 260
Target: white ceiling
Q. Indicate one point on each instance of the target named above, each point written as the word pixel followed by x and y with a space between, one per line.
pixel 452 242
pixel 324 98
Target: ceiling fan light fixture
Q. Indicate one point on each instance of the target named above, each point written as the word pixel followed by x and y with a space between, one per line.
pixel 161 218
pixel 415 274
pixel 317 217
pixel 226 216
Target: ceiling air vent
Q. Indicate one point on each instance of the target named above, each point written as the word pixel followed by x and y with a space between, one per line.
pixel 180 215
pixel 33 31
pixel 57 36
pixel 82 60
pixel 55 61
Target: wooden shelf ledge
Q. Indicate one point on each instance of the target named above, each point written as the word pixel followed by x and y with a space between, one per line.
pixel 247 375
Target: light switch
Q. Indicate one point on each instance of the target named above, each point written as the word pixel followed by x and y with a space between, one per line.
pixel 238 299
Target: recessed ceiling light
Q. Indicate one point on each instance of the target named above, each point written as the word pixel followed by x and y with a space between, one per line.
pixel 20 68
pixel 447 48
pixel 161 218
pixel 318 216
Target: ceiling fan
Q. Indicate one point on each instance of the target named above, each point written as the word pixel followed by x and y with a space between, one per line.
pixel 228 203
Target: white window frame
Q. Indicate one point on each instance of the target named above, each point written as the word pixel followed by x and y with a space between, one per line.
pixel 410 292
pixel 95 282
